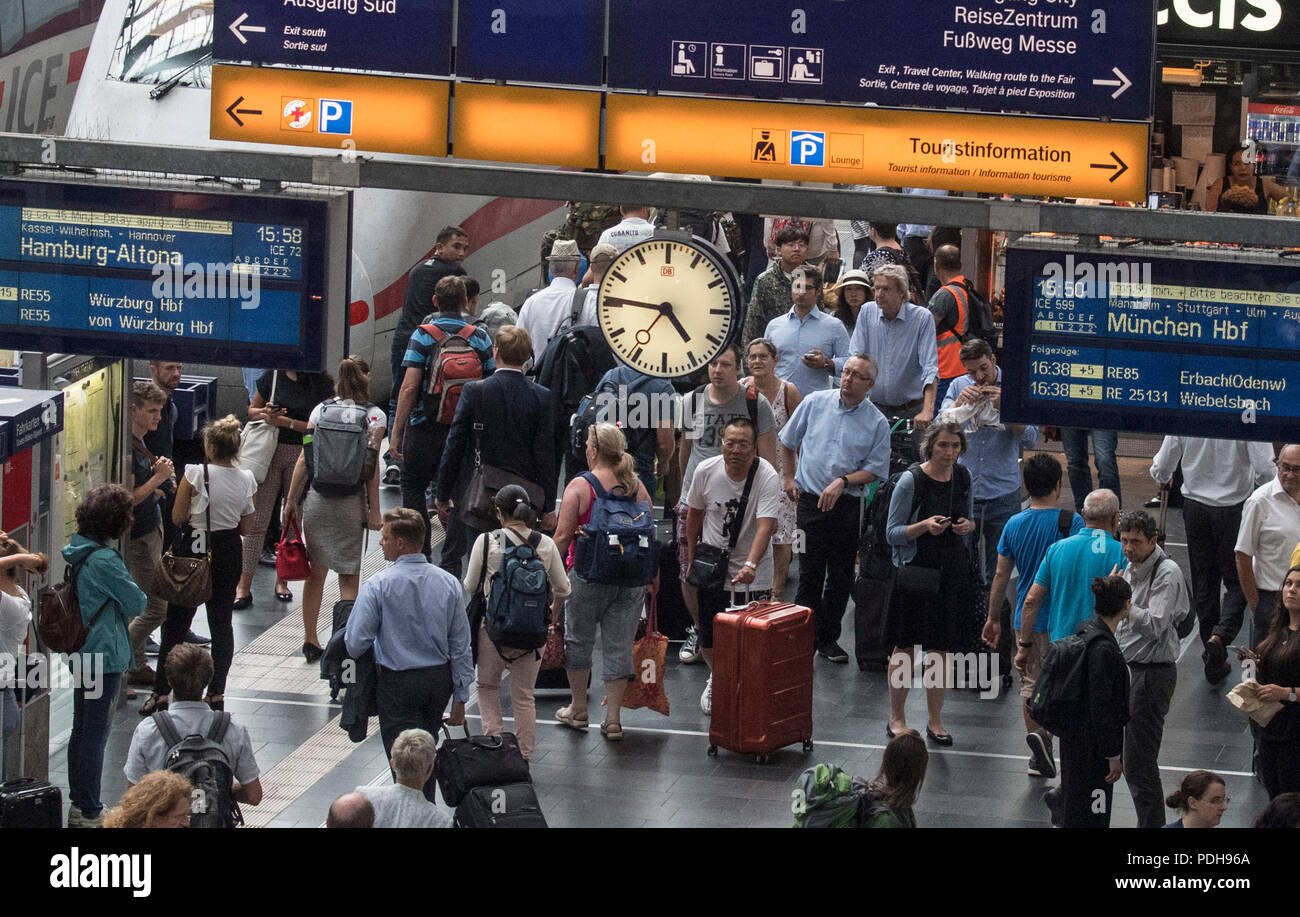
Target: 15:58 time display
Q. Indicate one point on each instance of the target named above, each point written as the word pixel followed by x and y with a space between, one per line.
pixel 290 234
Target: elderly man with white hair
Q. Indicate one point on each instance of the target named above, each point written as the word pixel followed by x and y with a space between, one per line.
pixel 402 804
pixel 899 336
pixel 559 306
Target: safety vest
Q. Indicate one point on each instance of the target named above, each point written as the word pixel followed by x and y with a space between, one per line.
pixel 949 342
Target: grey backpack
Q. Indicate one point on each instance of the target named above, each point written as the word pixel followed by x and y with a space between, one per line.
pixel 341 450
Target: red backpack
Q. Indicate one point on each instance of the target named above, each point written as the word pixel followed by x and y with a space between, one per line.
pixel 453 363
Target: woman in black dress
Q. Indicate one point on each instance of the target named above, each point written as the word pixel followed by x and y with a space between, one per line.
pixel 929 516
pixel 1278 675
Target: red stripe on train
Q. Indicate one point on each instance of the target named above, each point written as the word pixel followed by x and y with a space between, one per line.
pixel 77 63
pixel 494 220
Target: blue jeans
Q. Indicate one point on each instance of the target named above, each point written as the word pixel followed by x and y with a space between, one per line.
pixel 91 720
pixel 1075 442
pixel 990 518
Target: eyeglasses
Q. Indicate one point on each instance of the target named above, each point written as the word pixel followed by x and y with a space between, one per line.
pixel 857 375
pixel 1286 468
pixel 1219 800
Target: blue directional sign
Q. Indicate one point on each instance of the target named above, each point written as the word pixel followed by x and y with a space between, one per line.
pixel 161 274
pixel 1064 58
pixel 398 36
pixel 531 41
pixel 1159 342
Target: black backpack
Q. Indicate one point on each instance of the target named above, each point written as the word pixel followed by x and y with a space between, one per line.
pixel 979 314
pixel 202 761
pixel 1059 702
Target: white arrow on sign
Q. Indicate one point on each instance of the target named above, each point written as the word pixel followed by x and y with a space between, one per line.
pixel 239 28
pixel 1123 83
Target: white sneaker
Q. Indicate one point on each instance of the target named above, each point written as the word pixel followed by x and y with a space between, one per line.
pixel 706 699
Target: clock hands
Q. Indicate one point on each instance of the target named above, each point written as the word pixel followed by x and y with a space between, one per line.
pixel 664 309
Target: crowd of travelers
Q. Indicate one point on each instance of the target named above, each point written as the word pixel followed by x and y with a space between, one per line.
pixel 878 395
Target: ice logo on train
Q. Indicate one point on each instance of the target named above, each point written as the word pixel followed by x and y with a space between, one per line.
pixel 1129 280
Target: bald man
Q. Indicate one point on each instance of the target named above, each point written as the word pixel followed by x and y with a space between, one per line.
pixel 351 810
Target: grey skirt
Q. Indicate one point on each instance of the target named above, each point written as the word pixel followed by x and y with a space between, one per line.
pixel 333 528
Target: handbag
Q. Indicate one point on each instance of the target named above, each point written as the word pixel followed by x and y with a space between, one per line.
pixel 186 579
pixel 709 563
pixel 476 608
pixel 647 686
pixel 553 653
pixel 258 442
pixel 474 761
pixel 918 582
pixel 479 510
pixel 291 561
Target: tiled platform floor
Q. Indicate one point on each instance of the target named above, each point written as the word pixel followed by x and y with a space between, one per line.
pixel 660 775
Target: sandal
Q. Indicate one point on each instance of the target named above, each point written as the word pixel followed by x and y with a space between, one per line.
pixel 611 731
pixel 566 718
pixel 283 596
pixel 155 703
pixel 217 701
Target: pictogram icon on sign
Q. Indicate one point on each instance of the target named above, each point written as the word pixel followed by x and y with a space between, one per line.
pixel 296 114
pixel 689 59
pixel 808 148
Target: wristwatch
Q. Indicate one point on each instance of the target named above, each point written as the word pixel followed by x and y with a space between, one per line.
pixel 751 565
pixel 845 479
pixel 1291 696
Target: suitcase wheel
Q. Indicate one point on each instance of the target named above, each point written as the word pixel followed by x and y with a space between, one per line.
pixel 807 746
pixel 713 751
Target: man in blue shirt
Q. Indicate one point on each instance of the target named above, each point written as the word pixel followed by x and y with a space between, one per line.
pixel 807 339
pixel 993 453
pixel 899 336
pixel 418 445
pixel 413 615
pixel 834 445
pixel 1024 540
pixel 1064 578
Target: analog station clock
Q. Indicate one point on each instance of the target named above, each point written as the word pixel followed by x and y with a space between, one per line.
pixel 668 305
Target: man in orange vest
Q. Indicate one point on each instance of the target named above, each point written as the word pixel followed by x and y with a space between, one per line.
pixel 950 306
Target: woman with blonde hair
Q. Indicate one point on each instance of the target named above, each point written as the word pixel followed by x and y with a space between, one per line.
pixel 333 522
pixel 160 800
pixel 214 506
pixel 616 609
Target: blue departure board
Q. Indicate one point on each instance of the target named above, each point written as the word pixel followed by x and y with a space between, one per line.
pixel 1194 340
pixel 150 273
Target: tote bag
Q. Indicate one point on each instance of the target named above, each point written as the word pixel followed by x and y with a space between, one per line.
pixel 258 442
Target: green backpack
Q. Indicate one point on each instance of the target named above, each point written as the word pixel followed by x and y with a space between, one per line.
pixel 825 798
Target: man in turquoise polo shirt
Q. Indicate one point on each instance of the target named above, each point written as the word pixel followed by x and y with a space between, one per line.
pixel 1064 579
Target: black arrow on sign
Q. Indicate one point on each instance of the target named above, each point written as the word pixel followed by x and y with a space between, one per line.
pixel 231 110
pixel 1120 164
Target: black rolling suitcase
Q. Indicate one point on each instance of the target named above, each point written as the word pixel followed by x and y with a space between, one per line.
pixel 26 802
pixel 871 591
pixel 477 761
pixel 673 618
pixel 512 805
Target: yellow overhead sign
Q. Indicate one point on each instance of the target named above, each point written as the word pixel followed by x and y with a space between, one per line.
pixel 550 127
pixel 868 146
pixel 315 108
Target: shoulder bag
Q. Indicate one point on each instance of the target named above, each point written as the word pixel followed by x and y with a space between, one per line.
pixel 186 580
pixel 258 442
pixel 709 563
pixel 479 510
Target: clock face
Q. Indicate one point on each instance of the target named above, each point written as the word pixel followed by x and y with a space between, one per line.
pixel 668 306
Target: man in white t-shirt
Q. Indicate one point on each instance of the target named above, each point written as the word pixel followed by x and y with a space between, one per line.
pixel 633 228
pixel 719 513
pixel 402 804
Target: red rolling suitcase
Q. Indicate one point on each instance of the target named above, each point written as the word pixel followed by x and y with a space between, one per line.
pixel 762 679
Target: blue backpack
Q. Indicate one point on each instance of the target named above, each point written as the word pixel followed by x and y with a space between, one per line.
pixel 617 545
pixel 519 603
